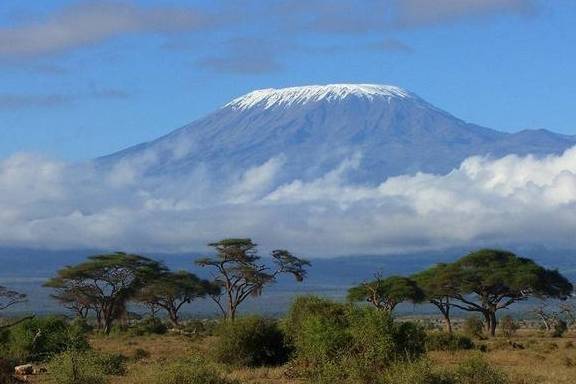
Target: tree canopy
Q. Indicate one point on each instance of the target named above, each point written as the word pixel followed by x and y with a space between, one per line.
pixel 439 284
pixel 489 280
pixel 174 289
pixel 387 293
pixel 105 282
pixel 240 272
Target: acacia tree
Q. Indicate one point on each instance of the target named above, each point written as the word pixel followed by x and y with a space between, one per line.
pixel 107 282
pixel 489 280
pixel 9 298
pixel 239 271
pixel 77 300
pixel 174 289
pixel 386 293
pixel 439 285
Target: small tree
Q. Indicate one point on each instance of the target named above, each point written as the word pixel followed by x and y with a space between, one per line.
pixel 386 293
pixel 490 280
pixel 508 326
pixel 9 298
pixel 439 285
pixel 473 327
pixel 174 289
pixel 240 273
pixel 107 281
pixel 78 300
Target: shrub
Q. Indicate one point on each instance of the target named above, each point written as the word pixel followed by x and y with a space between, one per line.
pixel 473 327
pixel 305 306
pixel 40 338
pixel 72 367
pixel 508 326
pixel 478 371
pixel 560 328
pixel 442 341
pixel 111 363
pixel 251 341
pixel 186 373
pixel 148 326
pixel 346 343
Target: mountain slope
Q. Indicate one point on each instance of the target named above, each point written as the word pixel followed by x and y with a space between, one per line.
pixel 311 130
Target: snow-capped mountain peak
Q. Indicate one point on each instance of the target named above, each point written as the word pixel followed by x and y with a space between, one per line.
pixel 303 133
pixel 270 97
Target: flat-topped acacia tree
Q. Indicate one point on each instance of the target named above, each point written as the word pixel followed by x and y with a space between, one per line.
pixel 386 293
pixel 239 271
pixel 106 282
pixel 439 285
pixel 174 289
pixel 490 280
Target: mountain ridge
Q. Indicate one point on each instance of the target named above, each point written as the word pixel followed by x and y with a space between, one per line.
pixel 316 128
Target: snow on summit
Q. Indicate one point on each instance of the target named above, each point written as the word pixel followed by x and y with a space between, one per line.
pixel 300 95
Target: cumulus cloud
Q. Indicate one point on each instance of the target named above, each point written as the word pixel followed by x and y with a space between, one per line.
pixel 91 22
pixel 507 201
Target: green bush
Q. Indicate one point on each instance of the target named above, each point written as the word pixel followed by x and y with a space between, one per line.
pixel 478 371
pixel 74 367
pixel 148 326
pixel 251 342
pixel 473 327
pixel 40 338
pixel 111 363
pixel 442 341
pixel 194 372
pixel 346 343
pixel 305 306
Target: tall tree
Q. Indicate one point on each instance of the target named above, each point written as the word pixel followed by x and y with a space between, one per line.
pixel 238 270
pixel 386 293
pixel 174 289
pixel 439 284
pixel 108 281
pixel 490 280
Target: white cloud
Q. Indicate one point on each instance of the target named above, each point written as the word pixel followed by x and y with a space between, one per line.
pixel 513 200
pixel 93 22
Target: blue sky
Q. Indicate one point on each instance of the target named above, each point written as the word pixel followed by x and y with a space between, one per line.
pixel 79 79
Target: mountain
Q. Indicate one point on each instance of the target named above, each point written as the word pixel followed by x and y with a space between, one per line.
pixel 311 130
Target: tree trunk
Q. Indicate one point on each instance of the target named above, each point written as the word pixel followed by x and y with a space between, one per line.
pixel 487 322
pixel 493 323
pixel 173 314
pixel 448 322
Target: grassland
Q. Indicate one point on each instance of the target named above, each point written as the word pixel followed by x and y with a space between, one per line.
pixel 534 358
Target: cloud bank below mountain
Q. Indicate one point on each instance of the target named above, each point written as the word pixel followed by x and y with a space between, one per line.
pixel 513 200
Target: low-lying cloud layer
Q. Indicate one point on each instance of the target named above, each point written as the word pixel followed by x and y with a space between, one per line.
pixel 513 200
